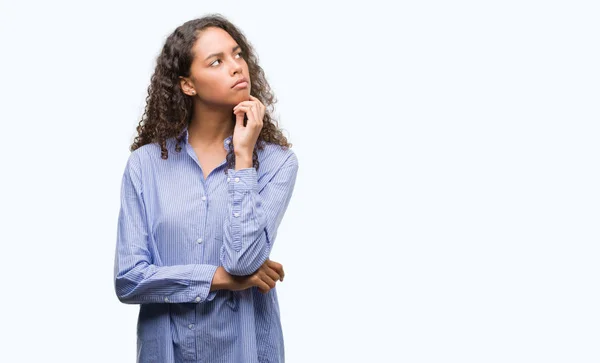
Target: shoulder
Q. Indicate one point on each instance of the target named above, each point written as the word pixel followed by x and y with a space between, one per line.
pixel 137 158
pixel 141 161
pixel 276 157
pixel 151 153
pixel 145 152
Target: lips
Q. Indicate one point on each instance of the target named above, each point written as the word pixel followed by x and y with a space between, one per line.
pixel 243 79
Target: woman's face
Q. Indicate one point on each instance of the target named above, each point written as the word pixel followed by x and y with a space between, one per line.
pixel 217 65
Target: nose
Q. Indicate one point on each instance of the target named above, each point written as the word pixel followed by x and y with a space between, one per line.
pixel 236 67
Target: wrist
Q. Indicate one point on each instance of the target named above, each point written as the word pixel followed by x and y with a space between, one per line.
pixel 221 280
pixel 243 161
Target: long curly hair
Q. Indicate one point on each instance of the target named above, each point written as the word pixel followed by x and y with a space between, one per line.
pixel 168 110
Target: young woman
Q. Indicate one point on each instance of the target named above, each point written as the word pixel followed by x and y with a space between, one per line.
pixel 198 216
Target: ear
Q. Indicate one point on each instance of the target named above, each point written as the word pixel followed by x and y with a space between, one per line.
pixel 186 86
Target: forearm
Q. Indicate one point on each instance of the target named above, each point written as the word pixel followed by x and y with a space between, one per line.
pixel 137 282
pixel 244 246
pixel 254 213
pixel 222 280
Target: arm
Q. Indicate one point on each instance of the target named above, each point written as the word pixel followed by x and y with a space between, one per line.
pixel 137 279
pixel 254 216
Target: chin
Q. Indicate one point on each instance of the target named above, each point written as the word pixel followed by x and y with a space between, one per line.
pixel 243 95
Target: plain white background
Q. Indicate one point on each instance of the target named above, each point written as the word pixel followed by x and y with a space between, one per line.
pixel 447 203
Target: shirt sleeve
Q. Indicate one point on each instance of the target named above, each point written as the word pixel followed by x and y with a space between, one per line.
pixel 254 216
pixel 137 279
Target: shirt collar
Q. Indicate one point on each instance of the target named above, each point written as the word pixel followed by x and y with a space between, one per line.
pixel 226 141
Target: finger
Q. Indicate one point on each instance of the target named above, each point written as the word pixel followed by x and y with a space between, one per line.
pixel 254 107
pixel 274 264
pixel 239 119
pixel 257 111
pixel 263 286
pixel 260 111
pixel 256 104
pixel 252 113
pixel 254 99
pixel 261 105
pixel 272 273
pixel 268 280
pixel 242 108
pixel 277 267
pixel 245 109
pixel 243 103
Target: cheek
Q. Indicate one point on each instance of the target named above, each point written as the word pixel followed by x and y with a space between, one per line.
pixel 213 87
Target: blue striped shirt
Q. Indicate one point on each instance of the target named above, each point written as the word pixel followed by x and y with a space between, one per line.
pixel 175 228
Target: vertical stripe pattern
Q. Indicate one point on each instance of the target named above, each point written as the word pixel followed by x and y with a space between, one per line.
pixel 175 228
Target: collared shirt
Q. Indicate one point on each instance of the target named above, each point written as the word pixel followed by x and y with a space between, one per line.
pixel 175 228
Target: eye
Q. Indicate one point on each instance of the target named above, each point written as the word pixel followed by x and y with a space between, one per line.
pixel 218 60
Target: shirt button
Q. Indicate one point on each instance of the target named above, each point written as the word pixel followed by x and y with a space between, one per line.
pixel 198 299
pixel 237 180
pixel 203 197
pixel 166 299
pixel 236 214
pixel 199 240
pixel 228 179
pixel 191 326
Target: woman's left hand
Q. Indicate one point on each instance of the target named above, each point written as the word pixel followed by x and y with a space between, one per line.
pixel 245 137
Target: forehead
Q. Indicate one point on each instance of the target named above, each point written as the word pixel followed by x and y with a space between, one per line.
pixel 213 40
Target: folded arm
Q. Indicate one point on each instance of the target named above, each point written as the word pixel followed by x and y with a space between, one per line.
pixel 254 216
pixel 137 279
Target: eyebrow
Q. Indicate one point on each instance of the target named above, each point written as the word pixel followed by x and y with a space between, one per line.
pixel 221 53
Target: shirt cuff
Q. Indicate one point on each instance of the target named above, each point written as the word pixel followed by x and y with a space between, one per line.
pixel 200 282
pixel 242 180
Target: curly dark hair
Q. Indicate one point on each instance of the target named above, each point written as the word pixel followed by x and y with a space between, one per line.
pixel 168 110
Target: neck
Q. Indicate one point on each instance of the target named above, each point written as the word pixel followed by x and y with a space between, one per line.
pixel 210 125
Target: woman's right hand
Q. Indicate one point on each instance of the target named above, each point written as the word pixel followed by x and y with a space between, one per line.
pixel 264 278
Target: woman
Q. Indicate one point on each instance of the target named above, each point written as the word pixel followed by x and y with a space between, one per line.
pixel 198 216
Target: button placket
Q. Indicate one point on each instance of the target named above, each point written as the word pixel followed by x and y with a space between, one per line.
pixel 237 191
